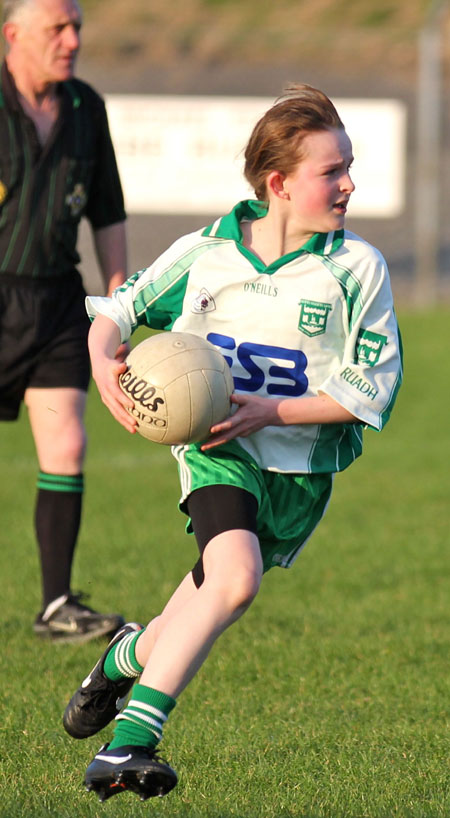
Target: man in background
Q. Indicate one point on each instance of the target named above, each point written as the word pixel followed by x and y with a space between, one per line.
pixel 57 164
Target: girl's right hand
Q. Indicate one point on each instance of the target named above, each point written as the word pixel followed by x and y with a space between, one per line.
pixel 106 373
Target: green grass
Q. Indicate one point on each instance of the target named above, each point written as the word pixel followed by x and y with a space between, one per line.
pixel 327 700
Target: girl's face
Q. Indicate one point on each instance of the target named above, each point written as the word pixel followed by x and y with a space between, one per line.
pixel 320 186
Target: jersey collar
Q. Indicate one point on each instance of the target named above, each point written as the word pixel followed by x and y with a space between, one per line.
pixel 228 227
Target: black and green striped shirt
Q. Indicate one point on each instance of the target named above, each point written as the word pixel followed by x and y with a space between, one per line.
pixel 44 191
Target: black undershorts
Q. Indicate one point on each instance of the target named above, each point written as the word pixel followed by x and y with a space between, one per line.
pixel 215 509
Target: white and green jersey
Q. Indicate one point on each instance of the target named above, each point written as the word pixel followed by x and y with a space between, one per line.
pixel 318 320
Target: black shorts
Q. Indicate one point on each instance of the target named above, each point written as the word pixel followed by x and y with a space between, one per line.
pixel 43 338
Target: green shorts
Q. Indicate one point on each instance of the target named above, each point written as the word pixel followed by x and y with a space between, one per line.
pixel 290 506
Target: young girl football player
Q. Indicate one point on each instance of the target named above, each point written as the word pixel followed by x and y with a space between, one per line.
pixel 302 311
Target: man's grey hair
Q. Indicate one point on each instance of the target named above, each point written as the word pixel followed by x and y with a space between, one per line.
pixel 11 8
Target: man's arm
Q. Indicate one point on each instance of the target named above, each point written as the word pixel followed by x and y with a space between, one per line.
pixel 111 249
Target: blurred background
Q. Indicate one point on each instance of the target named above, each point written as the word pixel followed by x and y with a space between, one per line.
pixel 395 50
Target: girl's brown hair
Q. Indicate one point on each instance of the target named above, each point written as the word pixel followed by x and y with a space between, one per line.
pixel 275 143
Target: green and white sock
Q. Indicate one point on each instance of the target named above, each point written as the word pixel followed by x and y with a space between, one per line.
pixel 121 660
pixel 142 721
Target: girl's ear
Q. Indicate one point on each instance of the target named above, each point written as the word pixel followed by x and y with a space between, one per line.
pixel 275 184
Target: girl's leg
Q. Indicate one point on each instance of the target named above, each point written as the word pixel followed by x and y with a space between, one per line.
pixel 181 595
pixel 180 639
pixel 173 648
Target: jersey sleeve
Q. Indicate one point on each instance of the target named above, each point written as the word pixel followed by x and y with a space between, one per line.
pixel 152 297
pixel 369 377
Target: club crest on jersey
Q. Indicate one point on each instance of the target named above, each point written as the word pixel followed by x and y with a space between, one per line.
pixel 368 347
pixel 203 302
pixel 313 317
pixel 3 192
pixel 77 200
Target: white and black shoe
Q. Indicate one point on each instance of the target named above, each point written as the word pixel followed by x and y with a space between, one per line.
pixel 98 700
pixel 67 619
pixel 138 769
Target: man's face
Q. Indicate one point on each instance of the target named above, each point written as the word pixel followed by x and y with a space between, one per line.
pixel 48 39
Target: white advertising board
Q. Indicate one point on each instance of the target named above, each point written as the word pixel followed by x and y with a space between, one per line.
pixel 184 154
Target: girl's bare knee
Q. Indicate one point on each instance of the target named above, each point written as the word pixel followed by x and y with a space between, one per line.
pixel 238 590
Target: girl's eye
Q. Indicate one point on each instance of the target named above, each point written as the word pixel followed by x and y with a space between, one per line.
pixel 338 169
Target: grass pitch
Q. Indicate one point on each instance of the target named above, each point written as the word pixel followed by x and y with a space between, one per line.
pixel 327 700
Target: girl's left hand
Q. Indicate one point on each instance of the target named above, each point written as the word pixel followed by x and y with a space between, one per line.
pixel 253 413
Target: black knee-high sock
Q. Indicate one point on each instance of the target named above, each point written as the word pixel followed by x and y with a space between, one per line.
pixel 57 523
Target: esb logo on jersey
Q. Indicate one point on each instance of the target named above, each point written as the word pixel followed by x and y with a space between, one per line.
pixel 280 380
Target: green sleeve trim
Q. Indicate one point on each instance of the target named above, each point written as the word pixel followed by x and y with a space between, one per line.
pixel 160 302
pixel 393 397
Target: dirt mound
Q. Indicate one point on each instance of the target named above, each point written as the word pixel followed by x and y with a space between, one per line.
pixel 348 37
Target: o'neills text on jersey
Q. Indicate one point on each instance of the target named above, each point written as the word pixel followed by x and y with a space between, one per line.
pixel 260 289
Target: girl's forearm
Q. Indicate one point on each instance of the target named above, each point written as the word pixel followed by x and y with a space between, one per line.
pixel 320 409
pixel 104 338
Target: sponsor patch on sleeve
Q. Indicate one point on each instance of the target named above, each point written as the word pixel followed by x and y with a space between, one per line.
pixel 368 347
